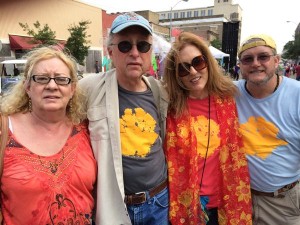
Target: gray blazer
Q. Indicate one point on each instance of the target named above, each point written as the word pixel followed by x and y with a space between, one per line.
pixel 102 107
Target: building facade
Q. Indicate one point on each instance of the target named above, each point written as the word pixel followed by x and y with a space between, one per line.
pixel 58 14
pixel 222 21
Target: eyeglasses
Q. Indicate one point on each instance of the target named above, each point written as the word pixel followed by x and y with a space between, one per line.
pixel 198 63
pixel 126 46
pixel 41 79
pixel 262 58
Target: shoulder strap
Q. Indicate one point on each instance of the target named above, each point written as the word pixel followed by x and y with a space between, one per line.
pixel 155 91
pixel 3 139
pixel 161 99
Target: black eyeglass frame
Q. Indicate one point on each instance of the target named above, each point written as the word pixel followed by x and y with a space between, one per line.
pixel 48 79
pixel 126 46
pixel 183 68
pixel 260 57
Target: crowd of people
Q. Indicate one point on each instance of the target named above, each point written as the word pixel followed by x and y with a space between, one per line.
pixel 125 148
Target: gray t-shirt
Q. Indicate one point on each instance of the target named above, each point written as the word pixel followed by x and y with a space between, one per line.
pixel 144 164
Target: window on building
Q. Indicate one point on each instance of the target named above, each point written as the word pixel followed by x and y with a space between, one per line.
pixel 189 14
pixel 210 12
pixel 225 0
pixel 169 15
pixel 176 15
pixel 182 15
pixel 202 12
pixel 234 16
pixel 196 13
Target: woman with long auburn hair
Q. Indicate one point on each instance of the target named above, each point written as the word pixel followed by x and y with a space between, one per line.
pixel 207 168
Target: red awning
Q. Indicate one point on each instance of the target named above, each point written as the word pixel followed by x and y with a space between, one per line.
pixel 176 32
pixel 26 43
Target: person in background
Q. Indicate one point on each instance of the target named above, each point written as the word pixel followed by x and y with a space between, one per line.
pixel 269 116
pixel 287 70
pixel 207 168
pixel 236 72
pixel 49 168
pixel 97 67
pixel 157 60
pixel 297 71
pixel 127 114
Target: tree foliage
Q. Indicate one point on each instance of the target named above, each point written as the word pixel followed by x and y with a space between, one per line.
pixel 291 49
pixel 42 35
pixel 216 43
pixel 77 43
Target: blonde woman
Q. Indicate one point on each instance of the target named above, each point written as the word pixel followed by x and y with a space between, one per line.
pixel 49 169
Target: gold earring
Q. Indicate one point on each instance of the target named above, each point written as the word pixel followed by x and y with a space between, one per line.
pixel 29 105
pixel 71 106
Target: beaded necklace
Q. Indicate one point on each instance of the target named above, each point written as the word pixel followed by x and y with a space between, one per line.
pixel 53 166
pixel 277 84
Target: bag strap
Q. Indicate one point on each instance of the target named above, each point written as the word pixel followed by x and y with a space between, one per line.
pixel 3 139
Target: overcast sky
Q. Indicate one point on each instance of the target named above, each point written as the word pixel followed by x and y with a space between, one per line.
pixel 259 16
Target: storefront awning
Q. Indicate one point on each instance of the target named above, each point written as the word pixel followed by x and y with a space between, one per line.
pixel 26 43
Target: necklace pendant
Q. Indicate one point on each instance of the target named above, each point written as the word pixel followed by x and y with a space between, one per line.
pixel 53 170
pixel 53 167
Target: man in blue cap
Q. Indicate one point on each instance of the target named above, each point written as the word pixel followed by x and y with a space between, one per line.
pixel 126 113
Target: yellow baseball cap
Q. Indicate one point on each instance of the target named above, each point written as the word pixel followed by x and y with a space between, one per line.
pixel 257 40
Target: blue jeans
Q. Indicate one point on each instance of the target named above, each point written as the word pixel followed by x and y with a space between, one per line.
pixel 155 211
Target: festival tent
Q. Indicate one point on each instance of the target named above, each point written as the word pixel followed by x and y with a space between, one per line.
pixel 161 47
pixel 217 53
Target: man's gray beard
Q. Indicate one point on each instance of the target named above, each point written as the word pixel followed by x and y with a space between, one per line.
pixel 263 82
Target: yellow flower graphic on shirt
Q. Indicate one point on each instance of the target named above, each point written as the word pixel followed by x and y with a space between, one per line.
pixel 201 127
pixel 260 137
pixel 137 129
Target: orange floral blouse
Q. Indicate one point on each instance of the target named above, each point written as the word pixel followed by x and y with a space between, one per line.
pixel 49 190
pixel 184 173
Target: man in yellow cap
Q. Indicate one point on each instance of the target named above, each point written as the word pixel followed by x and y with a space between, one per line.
pixel 269 116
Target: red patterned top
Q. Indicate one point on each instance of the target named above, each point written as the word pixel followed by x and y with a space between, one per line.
pixel 185 163
pixel 49 190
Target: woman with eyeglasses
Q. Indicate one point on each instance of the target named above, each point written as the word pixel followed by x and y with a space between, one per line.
pixel 49 168
pixel 207 168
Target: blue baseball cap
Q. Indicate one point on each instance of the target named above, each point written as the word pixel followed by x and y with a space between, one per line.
pixel 127 20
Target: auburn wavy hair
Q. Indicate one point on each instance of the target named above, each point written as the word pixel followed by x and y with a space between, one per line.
pixel 218 83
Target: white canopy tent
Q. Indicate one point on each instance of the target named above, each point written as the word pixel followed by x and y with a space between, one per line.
pixel 161 47
pixel 217 53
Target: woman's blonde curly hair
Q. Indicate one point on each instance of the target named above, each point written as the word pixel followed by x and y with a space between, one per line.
pixel 17 100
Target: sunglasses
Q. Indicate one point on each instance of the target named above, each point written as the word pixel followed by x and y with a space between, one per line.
pixel 249 59
pixel 126 46
pixel 198 63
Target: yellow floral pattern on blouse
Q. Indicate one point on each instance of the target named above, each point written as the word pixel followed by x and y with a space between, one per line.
pixel 184 174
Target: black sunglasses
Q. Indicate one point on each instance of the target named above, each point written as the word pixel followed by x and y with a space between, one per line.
pixel 198 63
pixel 126 46
pixel 249 59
